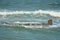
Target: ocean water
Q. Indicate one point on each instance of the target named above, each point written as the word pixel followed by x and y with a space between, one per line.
pixel 30 11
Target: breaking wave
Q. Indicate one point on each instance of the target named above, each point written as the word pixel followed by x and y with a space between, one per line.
pixel 50 26
pixel 52 13
pixel 31 26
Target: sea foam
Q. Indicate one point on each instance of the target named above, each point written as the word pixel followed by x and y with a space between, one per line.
pixel 52 13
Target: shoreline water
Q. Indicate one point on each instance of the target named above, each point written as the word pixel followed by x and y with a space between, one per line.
pixel 13 11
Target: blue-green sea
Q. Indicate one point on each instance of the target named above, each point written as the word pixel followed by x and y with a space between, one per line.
pixel 30 11
pixel 21 33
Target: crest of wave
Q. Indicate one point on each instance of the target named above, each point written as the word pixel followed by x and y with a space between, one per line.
pixel 52 13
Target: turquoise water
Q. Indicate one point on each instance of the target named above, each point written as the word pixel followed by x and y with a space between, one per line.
pixel 29 5
pixel 30 11
pixel 21 33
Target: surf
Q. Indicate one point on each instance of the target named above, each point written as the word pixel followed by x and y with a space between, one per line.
pixel 52 13
pixel 31 24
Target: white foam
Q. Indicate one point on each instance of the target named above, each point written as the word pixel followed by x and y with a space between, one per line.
pixel 52 13
pixel 41 26
pixel 31 26
pixel 51 26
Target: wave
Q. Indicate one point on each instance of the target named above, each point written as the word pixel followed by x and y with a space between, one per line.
pixel 29 26
pixel 50 26
pixel 52 13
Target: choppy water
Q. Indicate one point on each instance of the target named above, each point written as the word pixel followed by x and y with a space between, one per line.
pixel 29 11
